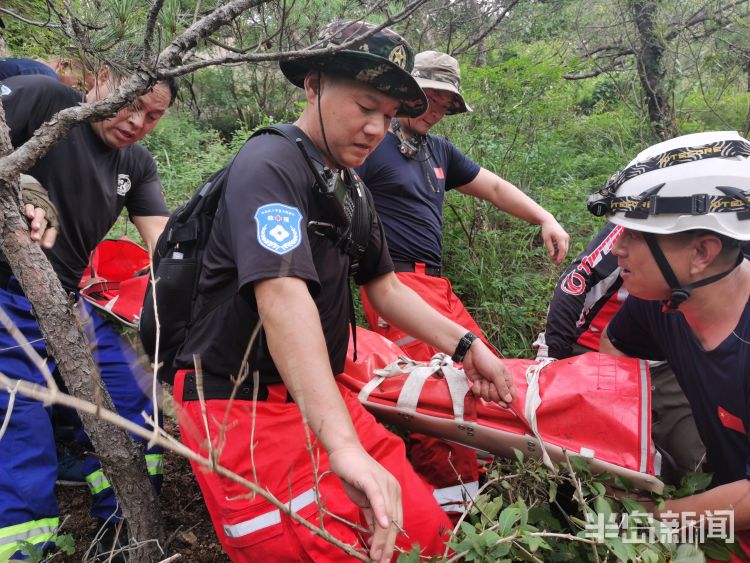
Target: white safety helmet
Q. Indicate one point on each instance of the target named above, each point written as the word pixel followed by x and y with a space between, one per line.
pixel 698 181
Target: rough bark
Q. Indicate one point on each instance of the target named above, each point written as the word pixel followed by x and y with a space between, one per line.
pixel 122 460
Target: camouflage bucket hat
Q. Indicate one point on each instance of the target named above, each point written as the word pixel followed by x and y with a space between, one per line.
pixel 383 60
pixel 440 71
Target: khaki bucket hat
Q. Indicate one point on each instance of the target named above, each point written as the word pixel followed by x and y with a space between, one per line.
pixel 440 71
pixel 384 61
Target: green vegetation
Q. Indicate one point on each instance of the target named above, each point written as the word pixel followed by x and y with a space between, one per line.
pixel 551 116
pixel 525 512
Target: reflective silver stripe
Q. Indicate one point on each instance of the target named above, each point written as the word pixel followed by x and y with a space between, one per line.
pixel 269 518
pixel 645 415
pixel 404 340
pixel 456 497
pixel 47 531
pixel 97 482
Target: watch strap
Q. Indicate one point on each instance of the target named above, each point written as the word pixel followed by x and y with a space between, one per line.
pixel 463 346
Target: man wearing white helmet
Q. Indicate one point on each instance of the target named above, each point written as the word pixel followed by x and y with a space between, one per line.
pixel 684 206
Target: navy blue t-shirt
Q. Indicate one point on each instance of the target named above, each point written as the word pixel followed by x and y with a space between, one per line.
pixel 19 66
pixel 716 382
pixel 409 194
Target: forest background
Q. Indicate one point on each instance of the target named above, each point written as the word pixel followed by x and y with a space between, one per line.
pixel 564 92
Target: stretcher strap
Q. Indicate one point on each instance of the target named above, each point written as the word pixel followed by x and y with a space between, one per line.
pixel 397 367
pixel 458 384
pixel 533 400
pixel 418 372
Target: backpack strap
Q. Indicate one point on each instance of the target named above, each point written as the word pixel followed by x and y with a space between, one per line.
pixel 355 235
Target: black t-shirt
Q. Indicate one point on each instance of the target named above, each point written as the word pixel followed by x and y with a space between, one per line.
pixel 88 182
pixel 409 194
pixel 716 382
pixel 261 232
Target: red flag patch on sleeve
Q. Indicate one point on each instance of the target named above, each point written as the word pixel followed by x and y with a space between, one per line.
pixel 439 174
pixel 730 421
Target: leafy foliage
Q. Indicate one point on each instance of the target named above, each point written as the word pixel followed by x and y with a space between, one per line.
pixel 525 512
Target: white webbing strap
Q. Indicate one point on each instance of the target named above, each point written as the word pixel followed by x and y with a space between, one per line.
pixel 397 367
pixel 418 372
pixel 533 400
pixel 458 383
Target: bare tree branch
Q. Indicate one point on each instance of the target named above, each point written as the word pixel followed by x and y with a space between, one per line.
pixel 43 25
pixel 487 31
pixel 148 35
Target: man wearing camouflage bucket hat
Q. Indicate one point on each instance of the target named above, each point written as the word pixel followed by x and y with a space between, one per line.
pixel 408 175
pixel 278 252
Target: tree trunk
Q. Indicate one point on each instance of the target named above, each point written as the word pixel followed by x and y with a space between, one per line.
pixel 650 61
pixel 476 15
pixel 121 458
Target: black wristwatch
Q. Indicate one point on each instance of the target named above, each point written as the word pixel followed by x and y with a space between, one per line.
pixel 463 346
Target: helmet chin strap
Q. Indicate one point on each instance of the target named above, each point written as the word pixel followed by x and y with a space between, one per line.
pixel 679 293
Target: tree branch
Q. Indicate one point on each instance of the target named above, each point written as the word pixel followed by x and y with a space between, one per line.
pixel 148 35
pixel 168 442
pixel 43 25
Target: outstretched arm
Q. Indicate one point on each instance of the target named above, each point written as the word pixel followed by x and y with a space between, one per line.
pixel 298 348
pixel 400 306
pixel 730 497
pixel 507 197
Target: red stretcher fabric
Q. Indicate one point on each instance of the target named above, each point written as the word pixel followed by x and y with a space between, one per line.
pixel 594 406
pixel 116 279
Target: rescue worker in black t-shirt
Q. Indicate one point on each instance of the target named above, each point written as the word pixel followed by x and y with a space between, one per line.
pixel 94 172
pixel 268 246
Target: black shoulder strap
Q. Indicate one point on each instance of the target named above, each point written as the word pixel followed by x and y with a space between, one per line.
pixel 291 133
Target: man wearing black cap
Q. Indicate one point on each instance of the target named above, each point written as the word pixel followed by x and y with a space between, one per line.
pixel 408 175
pixel 307 440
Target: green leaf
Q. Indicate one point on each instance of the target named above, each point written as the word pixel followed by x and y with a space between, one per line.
pixel 535 542
pixel 688 553
pixel 623 483
pixel 693 483
pixel 552 491
pixel 623 551
pixel 65 543
pixel 539 515
pixel 602 506
pixel 716 549
pixel 519 455
pixel 500 550
pixel 631 505
pixel 598 488
pixel 508 518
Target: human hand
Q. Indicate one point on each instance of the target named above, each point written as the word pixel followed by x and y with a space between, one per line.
pixel 555 239
pixel 491 380
pixel 39 210
pixel 371 487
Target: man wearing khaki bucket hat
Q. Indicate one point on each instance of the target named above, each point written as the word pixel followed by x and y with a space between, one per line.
pixel 408 175
pixel 279 254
